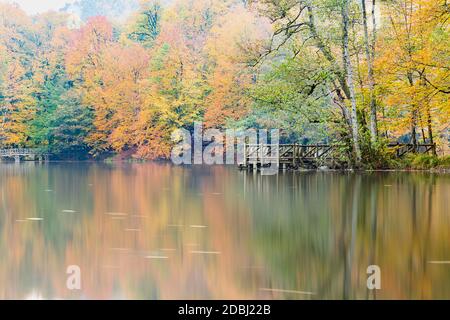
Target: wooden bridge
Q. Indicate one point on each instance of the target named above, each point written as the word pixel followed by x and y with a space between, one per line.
pixel 401 149
pixel 294 156
pixel 21 153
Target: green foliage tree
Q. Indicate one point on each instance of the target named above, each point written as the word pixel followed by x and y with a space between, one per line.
pixel 146 24
pixel 295 93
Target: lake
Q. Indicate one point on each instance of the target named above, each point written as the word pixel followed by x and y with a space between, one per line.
pixel 154 231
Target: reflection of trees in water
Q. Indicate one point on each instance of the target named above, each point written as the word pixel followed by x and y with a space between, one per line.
pixel 312 232
pixel 370 219
pixel 151 202
pixel 37 253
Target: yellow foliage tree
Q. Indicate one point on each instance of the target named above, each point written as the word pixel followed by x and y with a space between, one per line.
pixel 412 67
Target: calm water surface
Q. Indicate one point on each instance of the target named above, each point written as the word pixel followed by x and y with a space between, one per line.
pixel 153 231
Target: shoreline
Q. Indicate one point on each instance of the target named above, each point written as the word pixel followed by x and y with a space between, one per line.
pixel 300 170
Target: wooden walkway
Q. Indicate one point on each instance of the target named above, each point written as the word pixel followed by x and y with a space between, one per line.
pixel 401 150
pixel 22 153
pixel 286 156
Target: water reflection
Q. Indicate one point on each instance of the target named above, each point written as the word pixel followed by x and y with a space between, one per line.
pixel 153 231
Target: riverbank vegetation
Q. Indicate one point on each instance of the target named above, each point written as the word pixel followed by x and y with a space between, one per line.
pixel 423 162
pixel 356 73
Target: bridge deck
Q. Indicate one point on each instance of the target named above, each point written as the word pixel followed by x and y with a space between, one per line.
pixel 16 153
pixel 295 155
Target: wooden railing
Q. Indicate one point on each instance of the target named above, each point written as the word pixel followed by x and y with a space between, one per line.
pixel 318 154
pixel 401 149
pixel 18 153
pixel 286 154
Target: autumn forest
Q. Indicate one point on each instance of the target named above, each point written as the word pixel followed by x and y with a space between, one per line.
pixel 353 205
pixel 357 73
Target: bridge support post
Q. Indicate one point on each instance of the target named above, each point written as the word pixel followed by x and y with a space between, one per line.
pixel 245 155
pixel 17 159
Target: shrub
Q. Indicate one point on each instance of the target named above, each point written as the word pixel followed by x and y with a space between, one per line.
pixel 422 162
pixel 444 162
pixel 425 161
pixel 376 156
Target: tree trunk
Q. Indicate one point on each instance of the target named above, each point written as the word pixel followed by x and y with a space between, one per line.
pixel 369 57
pixel 424 137
pixel 414 113
pixel 430 130
pixel 414 128
pixel 374 31
pixel 428 115
pixel 349 72
pixel 327 53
